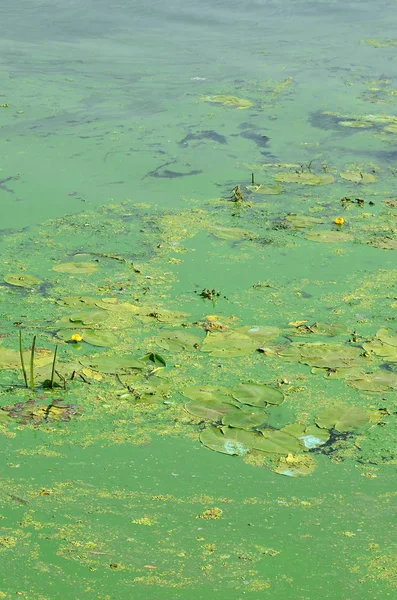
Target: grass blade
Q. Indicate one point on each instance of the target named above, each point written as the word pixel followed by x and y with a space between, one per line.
pixel 32 364
pixel 22 360
pixel 53 366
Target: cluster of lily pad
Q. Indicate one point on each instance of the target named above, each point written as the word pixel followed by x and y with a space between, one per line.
pixel 236 424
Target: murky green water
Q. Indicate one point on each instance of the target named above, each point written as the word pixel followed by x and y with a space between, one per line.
pixel 197 208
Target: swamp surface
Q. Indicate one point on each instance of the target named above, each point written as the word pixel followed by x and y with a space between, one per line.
pixel 198 341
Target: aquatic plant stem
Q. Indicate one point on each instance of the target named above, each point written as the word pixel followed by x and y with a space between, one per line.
pixel 53 366
pixel 22 361
pixel 252 179
pixel 32 363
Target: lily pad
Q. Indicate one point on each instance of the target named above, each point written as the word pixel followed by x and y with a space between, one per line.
pixel 21 280
pixel 319 354
pixel 257 394
pixel 178 340
pixel 358 176
pixel 211 409
pixel 208 393
pixel 113 365
pixel 234 441
pixel 77 301
pixel 329 236
pixel 10 359
pixel 331 329
pixel 387 336
pixel 301 221
pixel 89 317
pixel 104 339
pixel 375 382
pixel 245 417
pixel 311 436
pixel 76 268
pixel 232 101
pixel 230 233
pixel 265 190
pixel 239 342
pixel 305 178
pixel 342 418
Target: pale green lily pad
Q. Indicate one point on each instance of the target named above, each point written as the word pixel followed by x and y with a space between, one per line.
pixel 358 176
pixel 21 280
pixel 66 333
pixel 333 237
pixel 232 101
pixel 301 221
pixel 265 190
pixel 78 301
pixel 257 394
pixel 387 336
pixel 113 365
pixel 319 354
pixel 208 393
pixel 76 268
pixel 178 340
pixel 234 441
pixel 230 233
pixel 342 418
pixel 147 389
pixel 245 417
pixel 10 359
pixel 386 351
pixel 239 342
pixel 375 382
pixel 104 339
pixel 210 409
pixel 311 436
pixel 331 329
pixel 90 317
pixel 161 315
pixel 305 178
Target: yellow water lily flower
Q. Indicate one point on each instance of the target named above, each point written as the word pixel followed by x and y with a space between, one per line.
pixel 76 337
pixel 339 221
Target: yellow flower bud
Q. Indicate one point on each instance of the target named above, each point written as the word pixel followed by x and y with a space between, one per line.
pixel 76 337
pixel 339 221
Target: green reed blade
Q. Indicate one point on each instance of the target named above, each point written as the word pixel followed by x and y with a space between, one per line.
pixel 32 364
pixel 22 361
pixel 53 366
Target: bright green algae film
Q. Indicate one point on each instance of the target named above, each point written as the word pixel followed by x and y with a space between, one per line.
pixel 212 258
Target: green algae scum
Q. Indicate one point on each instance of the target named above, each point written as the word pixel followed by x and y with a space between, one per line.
pixel 198 340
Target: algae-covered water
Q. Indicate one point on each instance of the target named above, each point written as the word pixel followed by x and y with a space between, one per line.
pixel 198 342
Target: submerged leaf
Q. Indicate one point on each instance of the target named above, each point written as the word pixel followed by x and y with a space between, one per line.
pixel 230 233
pixel 342 418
